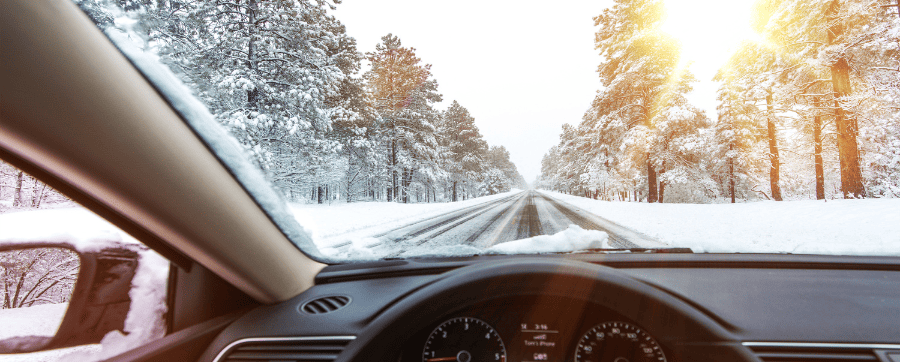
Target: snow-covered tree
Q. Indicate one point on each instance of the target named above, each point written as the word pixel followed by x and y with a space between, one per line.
pixel 397 80
pixel 282 75
pixel 36 276
pixel 465 147
pixel 835 38
pixel 645 84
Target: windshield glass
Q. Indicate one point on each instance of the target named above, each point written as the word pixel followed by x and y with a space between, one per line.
pixel 402 128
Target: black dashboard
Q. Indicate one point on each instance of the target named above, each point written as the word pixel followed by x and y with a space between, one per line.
pixel 640 307
pixel 535 328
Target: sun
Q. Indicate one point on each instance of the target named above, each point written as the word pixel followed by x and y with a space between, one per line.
pixel 709 30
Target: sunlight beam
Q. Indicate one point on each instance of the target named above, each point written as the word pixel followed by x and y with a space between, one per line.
pixel 709 30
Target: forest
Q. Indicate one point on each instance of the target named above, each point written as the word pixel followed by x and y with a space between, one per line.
pixel 322 119
pixel 810 110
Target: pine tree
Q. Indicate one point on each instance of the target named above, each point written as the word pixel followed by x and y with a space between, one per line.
pixel 757 71
pixel 735 136
pixel 642 79
pixel 830 33
pixel 466 148
pixel 396 74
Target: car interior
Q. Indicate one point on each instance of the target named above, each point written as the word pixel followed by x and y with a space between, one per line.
pixel 77 114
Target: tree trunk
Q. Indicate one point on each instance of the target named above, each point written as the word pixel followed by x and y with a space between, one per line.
pixel 651 181
pixel 395 188
pixel 252 61
pixel 405 182
pixel 848 149
pixel 348 191
pixel 17 197
pixel 454 191
pixel 817 154
pixel 662 184
pixel 320 192
pixel 775 167
pixel 38 193
pixel 662 192
pixel 731 172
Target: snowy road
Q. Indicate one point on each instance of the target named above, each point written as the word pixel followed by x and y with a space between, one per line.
pixel 518 216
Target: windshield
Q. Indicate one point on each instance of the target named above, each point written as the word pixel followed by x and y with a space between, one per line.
pixel 401 128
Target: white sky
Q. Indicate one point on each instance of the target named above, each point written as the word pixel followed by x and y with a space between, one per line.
pixel 521 68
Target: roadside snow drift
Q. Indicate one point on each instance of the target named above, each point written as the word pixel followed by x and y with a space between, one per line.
pixel 572 239
pixel 837 227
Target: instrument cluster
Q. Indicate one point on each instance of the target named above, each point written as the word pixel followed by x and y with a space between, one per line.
pixel 532 330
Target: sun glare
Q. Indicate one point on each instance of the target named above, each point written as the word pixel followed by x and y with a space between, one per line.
pixel 709 30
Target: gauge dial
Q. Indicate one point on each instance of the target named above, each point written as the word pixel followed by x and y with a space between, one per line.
pixel 464 339
pixel 618 342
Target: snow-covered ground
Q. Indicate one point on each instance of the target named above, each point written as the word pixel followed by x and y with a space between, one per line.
pixel 340 222
pixel 843 227
pixel 346 231
pixel 39 320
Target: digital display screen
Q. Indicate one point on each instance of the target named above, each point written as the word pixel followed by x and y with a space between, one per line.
pixel 540 342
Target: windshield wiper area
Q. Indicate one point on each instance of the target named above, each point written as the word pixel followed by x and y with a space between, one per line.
pixel 631 250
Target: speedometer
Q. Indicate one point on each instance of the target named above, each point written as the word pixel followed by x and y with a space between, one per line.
pixel 618 342
pixel 464 339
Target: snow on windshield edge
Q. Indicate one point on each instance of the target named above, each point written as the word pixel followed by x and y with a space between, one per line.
pixel 223 145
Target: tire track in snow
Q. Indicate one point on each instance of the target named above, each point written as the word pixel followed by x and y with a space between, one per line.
pixel 529 221
pixel 431 223
pixel 483 230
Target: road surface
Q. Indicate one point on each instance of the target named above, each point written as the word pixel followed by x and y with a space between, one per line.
pixel 518 216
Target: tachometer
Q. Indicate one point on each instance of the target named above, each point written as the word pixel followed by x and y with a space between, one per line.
pixel 618 342
pixel 464 339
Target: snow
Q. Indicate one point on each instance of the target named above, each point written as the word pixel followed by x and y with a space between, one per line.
pixel 48 356
pixel 75 226
pixel 345 230
pixel 336 223
pixel 837 227
pixel 87 232
pixel 39 320
pixel 572 239
pixel 223 144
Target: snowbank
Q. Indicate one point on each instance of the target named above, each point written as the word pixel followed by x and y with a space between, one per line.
pixel 840 227
pixel 572 239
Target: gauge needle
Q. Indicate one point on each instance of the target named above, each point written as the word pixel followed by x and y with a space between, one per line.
pixel 441 359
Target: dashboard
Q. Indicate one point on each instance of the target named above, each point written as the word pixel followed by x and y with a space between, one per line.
pixel 610 308
pixel 533 329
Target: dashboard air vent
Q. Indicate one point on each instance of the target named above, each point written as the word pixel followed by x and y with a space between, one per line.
pixel 813 353
pixel 325 304
pixel 298 349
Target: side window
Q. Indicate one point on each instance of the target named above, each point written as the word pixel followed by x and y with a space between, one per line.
pixel 58 259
